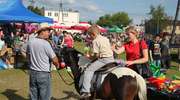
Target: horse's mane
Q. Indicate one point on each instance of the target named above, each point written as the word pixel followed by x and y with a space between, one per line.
pixel 70 56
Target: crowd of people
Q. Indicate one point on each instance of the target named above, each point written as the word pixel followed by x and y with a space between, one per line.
pixel 17 41
pixel 41 45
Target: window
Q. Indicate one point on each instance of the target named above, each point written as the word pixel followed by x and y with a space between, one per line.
pixel 65 14
pixel 49 13
pixel 56 14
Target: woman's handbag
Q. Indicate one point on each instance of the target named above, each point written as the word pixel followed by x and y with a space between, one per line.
pixel 143 69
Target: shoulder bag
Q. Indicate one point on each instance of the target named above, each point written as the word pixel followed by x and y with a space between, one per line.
pixel 143 69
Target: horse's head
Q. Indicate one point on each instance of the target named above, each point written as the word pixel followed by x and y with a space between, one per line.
pixel 71 58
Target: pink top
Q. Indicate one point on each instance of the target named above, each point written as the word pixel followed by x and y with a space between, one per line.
pixel 68 41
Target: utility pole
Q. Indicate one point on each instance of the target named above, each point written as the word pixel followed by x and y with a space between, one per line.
pixel 158 25
pixel 173 34
pixel 61 10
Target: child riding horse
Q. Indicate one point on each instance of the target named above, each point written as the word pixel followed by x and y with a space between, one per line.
pixel 120 83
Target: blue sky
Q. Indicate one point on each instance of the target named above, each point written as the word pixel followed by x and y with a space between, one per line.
pixel 93 9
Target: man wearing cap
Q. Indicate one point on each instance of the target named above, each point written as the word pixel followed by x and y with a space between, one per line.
pixel 41 54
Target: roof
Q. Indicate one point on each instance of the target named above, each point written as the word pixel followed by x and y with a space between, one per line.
pixel 14 11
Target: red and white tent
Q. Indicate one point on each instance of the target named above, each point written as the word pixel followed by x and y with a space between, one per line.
pixel 60 26
pixel 80 27
pixel 83 26
pixel 103 30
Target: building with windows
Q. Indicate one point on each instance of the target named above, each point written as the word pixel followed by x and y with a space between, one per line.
pixel 152 27
pixel 169 28
pixel 63 17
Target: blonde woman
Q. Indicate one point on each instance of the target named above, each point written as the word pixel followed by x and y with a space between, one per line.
pixel 133 49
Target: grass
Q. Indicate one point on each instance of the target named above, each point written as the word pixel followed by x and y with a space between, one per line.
pixel 14 83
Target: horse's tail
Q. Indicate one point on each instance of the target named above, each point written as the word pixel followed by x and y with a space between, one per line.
pixel 130 84
pixel 121 85
pixel 142 89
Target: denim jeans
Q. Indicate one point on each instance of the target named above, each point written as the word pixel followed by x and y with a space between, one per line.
pixel 89 72
pixel 157 62
pixel 40 85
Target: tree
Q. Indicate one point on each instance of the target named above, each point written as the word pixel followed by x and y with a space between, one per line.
pixel 119 19
pixel 37 10
pixel 158 20
pixel 105 21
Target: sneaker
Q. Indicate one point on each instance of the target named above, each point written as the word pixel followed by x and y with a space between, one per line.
pixel 85 95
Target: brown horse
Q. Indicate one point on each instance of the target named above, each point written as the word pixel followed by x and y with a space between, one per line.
pixel 106 85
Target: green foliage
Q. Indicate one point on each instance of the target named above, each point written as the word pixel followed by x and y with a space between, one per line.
pixel 158 20
pixel 119 19
pixel 37 10
pixel 79 46
pixel 105 21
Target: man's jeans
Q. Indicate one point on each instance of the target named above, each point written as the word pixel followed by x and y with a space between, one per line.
pixel 157 62
pixel 40 85
pixel 89 72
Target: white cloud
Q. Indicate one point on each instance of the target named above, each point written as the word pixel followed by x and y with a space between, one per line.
pixel 51 2
pixel 71 1
pixel 93 8
pixel 86 8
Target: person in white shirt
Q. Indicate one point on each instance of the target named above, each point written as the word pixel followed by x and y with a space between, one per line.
pixel 102 52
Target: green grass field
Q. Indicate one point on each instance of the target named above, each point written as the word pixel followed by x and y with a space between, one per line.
pixel 14 83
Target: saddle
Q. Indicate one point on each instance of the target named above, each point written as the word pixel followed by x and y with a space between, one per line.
pixel 98 75
pixel 106 68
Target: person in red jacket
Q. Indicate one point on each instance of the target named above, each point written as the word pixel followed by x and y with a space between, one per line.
pixel 68 39
pixel 132 49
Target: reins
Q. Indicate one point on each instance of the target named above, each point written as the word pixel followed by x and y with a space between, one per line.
pixel 69 74
pixel 64 79
pixel 60 74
